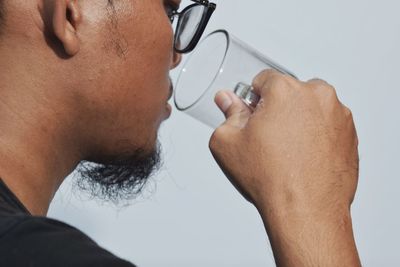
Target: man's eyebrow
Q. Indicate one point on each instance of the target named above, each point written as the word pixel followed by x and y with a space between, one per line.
pixel 176 3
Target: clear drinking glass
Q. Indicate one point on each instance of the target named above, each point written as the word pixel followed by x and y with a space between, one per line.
pixel 220 61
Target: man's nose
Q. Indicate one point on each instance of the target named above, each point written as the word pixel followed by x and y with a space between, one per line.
pixel 177 58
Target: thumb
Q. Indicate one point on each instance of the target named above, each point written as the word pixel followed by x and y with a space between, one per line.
pixel 235 110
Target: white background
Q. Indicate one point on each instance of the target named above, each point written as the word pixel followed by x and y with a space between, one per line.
pixel 191 216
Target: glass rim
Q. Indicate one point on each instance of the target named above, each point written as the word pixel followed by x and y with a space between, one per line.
pixel 228 41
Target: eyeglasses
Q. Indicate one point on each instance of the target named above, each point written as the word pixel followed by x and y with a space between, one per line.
pixel 192 22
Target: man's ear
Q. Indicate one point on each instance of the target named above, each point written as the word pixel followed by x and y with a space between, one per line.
pixel 66 18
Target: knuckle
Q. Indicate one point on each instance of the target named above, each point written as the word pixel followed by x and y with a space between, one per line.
pixel 263 77
pixel 258 81
pixel 326 90
pixel 321 85
pixel 213 141
pixel 331 96
pixel 317 81
pixel 273 82
pixel 216 138
pixel 348 113
pixel 280 80
pixel 330 90
pixel 280 83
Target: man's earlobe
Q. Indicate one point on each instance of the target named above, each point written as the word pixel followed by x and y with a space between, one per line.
pixel 66 19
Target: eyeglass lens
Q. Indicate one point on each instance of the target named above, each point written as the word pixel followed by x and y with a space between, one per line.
pixel 188 25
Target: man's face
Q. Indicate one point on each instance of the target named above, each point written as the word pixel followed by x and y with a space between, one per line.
pixel 126 55
pixel 128 51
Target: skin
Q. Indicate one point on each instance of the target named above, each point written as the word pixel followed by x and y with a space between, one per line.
pixel 295 158
pixel 83 81
pixel 88 86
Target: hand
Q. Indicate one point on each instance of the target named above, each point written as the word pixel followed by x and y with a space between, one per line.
pixel 295 157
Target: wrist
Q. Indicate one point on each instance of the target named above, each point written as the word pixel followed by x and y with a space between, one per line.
pixel 304 236
pixel 277 212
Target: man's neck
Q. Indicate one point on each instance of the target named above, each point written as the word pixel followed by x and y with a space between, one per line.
pixel 37 142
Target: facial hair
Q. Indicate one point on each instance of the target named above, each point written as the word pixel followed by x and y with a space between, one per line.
pixel 119 180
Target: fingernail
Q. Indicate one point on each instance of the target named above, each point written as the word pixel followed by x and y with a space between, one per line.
pixel 226 102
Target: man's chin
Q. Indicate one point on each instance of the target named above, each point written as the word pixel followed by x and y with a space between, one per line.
pixel 119 178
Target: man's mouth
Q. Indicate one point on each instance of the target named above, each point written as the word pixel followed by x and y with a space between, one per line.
pixel 171 89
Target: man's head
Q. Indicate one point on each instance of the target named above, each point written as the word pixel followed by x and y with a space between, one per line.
pixel 99 72
pixel 1 14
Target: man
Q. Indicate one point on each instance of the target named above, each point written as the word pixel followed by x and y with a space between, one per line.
pixel 85 83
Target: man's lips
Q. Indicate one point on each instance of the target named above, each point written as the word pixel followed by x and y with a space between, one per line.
pixel 168 108
pixel 171 89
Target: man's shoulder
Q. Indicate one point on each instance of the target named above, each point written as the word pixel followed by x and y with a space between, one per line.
pixel 39 241
pixel 32 226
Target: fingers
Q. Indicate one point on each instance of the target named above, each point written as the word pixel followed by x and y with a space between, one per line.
pixel 237 115
pixel 321 87
pixel 270 80
pixel 236 112
pixel 318 82
pixel 325 92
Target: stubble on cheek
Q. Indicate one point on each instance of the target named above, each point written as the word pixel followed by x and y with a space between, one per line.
pixel 115 40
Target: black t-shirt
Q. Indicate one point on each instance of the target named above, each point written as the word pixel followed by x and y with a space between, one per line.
pixel 27 240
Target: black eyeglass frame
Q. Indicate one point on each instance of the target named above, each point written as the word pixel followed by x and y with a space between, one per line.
pixel 208 11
